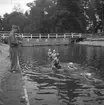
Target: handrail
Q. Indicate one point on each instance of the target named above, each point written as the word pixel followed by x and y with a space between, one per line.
pixel 46 36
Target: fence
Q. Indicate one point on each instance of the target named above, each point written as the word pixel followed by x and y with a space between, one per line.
pixel 51 35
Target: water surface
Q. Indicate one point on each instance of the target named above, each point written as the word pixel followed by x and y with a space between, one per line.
pixel 71 87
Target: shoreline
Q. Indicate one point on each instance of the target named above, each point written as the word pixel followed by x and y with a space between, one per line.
pixel 92 43
pixel 51 42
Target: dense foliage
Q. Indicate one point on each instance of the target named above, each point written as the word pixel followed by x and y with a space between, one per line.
pixel 51 16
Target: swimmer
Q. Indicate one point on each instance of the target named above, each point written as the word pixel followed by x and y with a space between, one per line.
pixel 57 54
pixel 71 66
pixel 53 54
pixel 49 53
pixel 86 74
pixel 56 62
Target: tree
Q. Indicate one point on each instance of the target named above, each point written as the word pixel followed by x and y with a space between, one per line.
pixel 94 10
pixel 16 18
pixel 71 16
pixel 17 8
pixel 40 11
pixel 5 22
pixel 1 26
pixel 57 16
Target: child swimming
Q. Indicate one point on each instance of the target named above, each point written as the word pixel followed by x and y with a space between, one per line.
pixel 72 66
pixel 49 53
pixel 53 54
pixel 56 62
pixel 54 59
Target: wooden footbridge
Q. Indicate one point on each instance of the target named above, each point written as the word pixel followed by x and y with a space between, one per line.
pixel 48 39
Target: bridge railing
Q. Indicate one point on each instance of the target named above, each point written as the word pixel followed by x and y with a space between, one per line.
pixel 50 35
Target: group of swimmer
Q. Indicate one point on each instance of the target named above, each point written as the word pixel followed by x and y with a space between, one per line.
pixel 55 62
pixel 54 59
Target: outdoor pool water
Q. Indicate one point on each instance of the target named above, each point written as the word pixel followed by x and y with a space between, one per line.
pixel 84 86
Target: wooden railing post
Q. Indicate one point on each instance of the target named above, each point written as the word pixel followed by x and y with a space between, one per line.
pixel 72 35
pixel 22 36
pixel 56 35
pixel 3 36
pixel 80 35
pixel 31 36
pixel 64 36
pixel 39 36
pixel 48 36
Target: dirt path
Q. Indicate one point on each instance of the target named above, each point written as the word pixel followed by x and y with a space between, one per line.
pixel 11 84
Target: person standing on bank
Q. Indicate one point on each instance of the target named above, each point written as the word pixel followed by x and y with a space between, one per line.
pixel 13 43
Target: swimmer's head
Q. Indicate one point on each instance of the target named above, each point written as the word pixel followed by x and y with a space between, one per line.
pixel 88 74
pixel 71 63
pixel 49 49
pixel 54 51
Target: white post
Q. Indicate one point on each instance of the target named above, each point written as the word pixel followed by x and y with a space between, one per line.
pixel 22 35
pixel 64 36
pixel 56 35
pixel 40 36
pixel 31 36
pixel 72 35
pixel 48 36
pixel 3 36
pixel 80 35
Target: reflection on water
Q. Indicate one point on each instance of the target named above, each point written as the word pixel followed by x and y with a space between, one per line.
pixel 84 86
